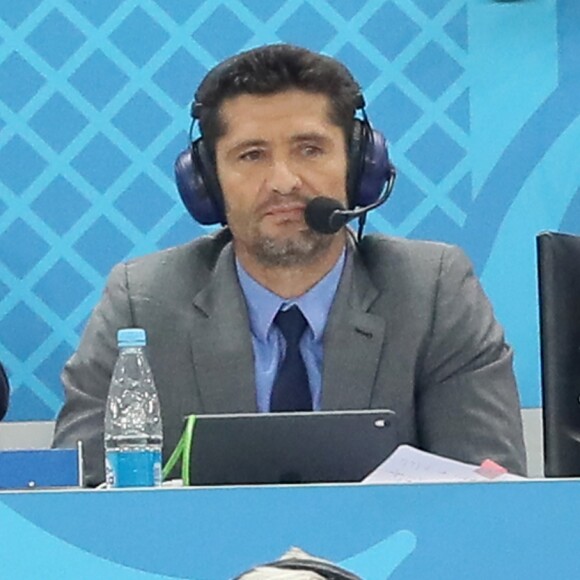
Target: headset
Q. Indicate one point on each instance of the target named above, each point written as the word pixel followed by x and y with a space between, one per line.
pixel 322 568
pixel 370 171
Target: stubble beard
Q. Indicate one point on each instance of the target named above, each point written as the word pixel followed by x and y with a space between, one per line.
pixel 297 249
pixel 301 250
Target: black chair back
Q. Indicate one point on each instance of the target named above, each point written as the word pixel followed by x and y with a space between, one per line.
pixel 559 300
pixel 4 392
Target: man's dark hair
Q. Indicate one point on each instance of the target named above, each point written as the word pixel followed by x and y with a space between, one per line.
pixel 271 69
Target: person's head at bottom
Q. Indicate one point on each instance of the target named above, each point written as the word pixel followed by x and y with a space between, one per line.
pixel 298 565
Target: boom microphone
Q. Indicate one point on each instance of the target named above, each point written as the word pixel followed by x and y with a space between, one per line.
pixel 327 215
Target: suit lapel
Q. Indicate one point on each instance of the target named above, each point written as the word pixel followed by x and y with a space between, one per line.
pixel 222 344
pixel 352 342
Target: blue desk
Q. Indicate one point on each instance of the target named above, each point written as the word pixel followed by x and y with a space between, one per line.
pixel 524 530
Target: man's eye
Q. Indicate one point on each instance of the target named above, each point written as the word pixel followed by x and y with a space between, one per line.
pixel 252 155
pixel 311 151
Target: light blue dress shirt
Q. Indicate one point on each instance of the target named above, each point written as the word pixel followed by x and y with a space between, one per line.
pixel 267 340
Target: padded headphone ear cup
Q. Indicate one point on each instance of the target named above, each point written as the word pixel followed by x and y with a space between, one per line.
pixel 376 171
pixel 198 185
pixel 369 166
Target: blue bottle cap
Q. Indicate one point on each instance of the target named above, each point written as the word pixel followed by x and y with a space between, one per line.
pixel 131 337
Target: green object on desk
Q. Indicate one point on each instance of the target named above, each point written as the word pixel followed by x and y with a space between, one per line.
pixel 182 451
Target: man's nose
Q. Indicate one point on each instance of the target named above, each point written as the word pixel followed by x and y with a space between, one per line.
pixel 283 178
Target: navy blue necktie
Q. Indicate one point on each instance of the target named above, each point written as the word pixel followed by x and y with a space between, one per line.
pixel 291 391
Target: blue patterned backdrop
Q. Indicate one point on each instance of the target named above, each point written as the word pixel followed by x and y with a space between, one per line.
pixel 479 100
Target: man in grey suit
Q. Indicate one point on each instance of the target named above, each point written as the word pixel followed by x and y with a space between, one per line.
pixel 389 323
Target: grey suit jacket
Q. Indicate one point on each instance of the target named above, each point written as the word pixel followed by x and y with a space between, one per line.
pixel 410 329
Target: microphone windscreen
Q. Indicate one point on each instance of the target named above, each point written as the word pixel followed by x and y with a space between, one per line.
pixel 319 215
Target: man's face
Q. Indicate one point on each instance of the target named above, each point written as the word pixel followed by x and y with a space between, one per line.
pixel 278 152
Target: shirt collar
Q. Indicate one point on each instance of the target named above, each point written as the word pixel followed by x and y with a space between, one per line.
pixel 314 304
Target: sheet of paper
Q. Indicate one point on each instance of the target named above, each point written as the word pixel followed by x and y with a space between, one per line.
pixel 408 464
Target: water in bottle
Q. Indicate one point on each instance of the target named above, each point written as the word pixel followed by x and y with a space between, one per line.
pixel 133 429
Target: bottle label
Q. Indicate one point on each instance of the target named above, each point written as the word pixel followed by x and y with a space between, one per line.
pixel 134 468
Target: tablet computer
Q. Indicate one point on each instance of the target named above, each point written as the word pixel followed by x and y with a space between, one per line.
pixel 303 447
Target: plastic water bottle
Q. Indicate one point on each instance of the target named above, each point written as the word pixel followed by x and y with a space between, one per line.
pixel 133 429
